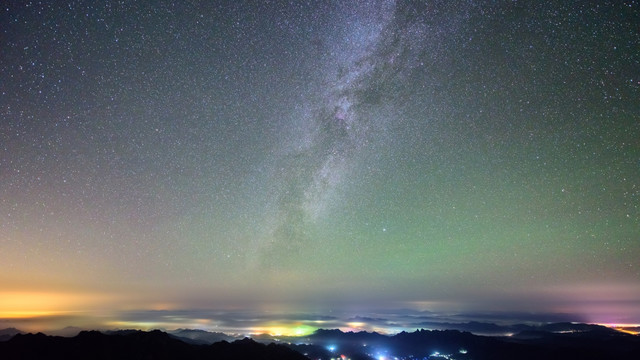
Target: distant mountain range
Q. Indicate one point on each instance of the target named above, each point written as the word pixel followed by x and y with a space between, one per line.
pixel 7 334
pixel 553 341
pixel 201 336
pixel 483 328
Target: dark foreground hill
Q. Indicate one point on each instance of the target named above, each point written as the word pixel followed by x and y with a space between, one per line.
pixel 136 345
pixel 584 342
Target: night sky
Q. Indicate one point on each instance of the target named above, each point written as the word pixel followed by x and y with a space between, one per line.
pixel 318 163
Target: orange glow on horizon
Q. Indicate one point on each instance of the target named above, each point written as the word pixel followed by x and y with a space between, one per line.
pixel 30 304
pixel 27 314
pixel 624 328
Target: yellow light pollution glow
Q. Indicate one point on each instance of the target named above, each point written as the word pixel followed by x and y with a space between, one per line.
pixel 283 330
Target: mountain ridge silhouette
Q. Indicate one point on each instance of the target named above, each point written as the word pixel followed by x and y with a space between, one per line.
pixel 552 341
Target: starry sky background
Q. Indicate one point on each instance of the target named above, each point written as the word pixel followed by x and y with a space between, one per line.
pixel 467 157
